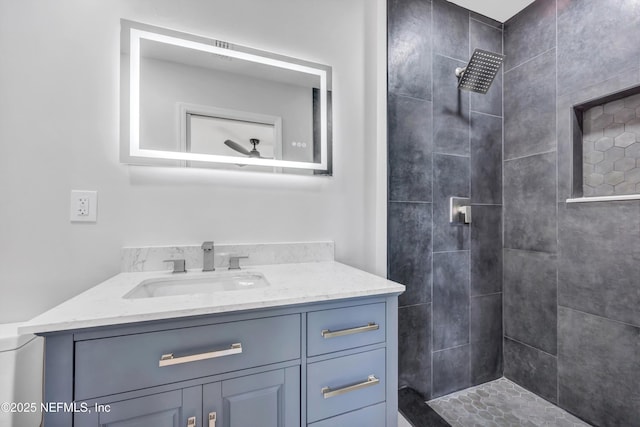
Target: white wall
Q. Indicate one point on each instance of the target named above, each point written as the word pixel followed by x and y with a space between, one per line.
pixel 59 88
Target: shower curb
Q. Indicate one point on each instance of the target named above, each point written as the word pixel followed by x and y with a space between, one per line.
pixel 413 406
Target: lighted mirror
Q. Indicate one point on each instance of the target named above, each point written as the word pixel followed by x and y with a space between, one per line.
pixel 192 101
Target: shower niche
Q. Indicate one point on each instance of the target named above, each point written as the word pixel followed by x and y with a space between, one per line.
pixel 606 141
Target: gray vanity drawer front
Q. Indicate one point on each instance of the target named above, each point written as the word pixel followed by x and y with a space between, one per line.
pixel 340 373
pixel 345 319
pixel 372 416
pixel 113 365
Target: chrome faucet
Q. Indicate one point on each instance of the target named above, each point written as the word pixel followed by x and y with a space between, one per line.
pixel 234 261
pixel 207 257
pixel 178 265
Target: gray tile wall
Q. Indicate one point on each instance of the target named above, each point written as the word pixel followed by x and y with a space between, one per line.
pixel 571 318
pixel 443 143
pixel 599 368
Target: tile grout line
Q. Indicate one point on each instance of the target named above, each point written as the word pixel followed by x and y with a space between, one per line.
pixel 620 322
pixel 531 346
pixel 529 60
pixel 484 114
pixel 439 54
pixel 415 98
pixel 531 155
pixel 449 154
pixel 575 92
pixel 470 225
pixel 433 174
pixel 412 305
pixel 484 23
pixel 531 251
pixel 486 295
pixel 557 219
pixel 502 211
pixel 451 348
pixel 419 202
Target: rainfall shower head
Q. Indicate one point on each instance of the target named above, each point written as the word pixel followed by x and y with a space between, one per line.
pixel 479 73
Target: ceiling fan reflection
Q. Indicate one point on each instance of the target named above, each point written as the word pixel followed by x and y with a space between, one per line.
pixel 254 153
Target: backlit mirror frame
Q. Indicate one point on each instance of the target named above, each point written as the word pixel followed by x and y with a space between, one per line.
pixel 131 151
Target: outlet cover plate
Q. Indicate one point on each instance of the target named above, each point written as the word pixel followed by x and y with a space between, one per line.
pixel 84 206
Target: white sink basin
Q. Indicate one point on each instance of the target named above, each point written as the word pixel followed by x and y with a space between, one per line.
pixel 198 285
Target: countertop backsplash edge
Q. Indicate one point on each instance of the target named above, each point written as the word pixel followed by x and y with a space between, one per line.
pixel 152 258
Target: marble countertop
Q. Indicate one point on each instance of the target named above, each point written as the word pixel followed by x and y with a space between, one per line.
pixel 290 284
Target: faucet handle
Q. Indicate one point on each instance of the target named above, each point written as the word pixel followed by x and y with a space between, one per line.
pixel 234 261
pixel 178 265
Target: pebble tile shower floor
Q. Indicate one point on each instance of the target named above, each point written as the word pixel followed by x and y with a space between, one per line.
pixel 501 403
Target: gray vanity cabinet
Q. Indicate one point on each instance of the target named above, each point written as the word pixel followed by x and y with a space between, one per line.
pixel 267 399
pixel 167 409
pixel 121 363
pixel 313 365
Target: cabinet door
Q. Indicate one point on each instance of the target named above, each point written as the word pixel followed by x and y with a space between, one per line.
pixel 268 399
pixel 169 409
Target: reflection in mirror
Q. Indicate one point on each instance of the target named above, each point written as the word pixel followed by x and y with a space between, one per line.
pixel 195 102
pixel 223 132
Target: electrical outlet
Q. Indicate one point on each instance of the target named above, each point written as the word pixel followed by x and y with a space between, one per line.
pixel 84 206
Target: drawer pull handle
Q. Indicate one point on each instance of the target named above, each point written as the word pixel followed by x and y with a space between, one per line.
pixel 170 359
pixel 191 422
pixel 212 419
pixel 326 333
pixel 327 392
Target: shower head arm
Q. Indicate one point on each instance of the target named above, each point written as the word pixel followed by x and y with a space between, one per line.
pixel 460 71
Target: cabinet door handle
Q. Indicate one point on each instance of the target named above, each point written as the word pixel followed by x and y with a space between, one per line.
pixel 191 422
pixel 326 333
pixel 212 419
pixel 327 392
pixel 170 359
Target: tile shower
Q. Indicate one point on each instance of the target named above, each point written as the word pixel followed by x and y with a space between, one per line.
pixel 444 143
pixel 563 309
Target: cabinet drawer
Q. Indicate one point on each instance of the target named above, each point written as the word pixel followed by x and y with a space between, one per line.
pixel 343 384
pixel 372 416
pixel 344 328
pixel 131 362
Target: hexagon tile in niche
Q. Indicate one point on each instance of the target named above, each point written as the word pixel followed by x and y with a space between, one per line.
pixel 611 148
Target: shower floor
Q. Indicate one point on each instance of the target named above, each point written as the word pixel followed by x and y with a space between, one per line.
pixel 501 403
